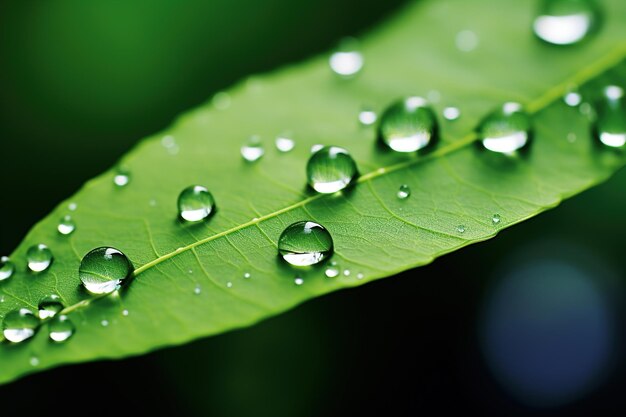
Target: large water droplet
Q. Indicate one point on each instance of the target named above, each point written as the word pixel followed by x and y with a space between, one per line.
pixel 122 177
pixel 404 192
pixel 39 257
pixel 346 61
pixel 506 130
pixel 49 306
pixel 19 325
pixel 610 125
pixel 66 225
pixel 6 268
pixel 305 243
pixel 252 149
pixel 104 269
pixel 408 125
pixel 60 328
pixel 565 22
pixel 284 143
pixel 330 169
pixel 195 203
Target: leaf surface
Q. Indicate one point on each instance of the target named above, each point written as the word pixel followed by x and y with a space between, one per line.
pixel 376 234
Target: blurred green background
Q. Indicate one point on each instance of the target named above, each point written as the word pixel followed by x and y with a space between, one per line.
pixel 82 81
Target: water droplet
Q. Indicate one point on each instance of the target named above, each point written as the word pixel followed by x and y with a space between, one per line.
pixel 104 269
pixel 466 41
pixel 125 313
pixel 330 169
pixel 571 137
pixel 408 125
pixel 346 272
pixel 72 206
pixel 122 177
pixel 195 203
pixel 221 100
pixel 247 275
pixel 332 271
pixel 305 243
pixel 198 289
pixel 6 268
pixel 252 149
pixel 229 284
pixel 451 113
pixel 367 117
pixel 168 141
pixel 104 323
pixel 39 257
pixel 610 125
pixel 505 130
pixel 460 228
pixel 49 306
pixel 152 202
pixel 495 219
pixel 316 147
pixel 565 22
pixel 298 281
pixel 34 361
pixel 360 276
pixel 66 225
pixel 61 328
pixel 404 192
pixel 284 143
pixel 573 98
pixel 346 61
pixel 19 325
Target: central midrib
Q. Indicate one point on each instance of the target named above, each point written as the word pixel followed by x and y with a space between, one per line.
pixel 581 77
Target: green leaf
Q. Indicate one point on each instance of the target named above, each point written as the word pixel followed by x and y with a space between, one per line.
pixel 375 234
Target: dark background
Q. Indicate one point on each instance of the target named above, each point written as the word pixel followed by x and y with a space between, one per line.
pixel 490 330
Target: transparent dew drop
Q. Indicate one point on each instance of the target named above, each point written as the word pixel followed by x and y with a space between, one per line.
pixel 197 289
pixel 565 22
pixel 316 147
pixel 6 268
pixel 298 281
pixel 360 276
pixel 610 123
pixel 72 206
pixel 19 325
pixel 367 117
pixel 404 192
pixel 284 143
pixel 122 177
pixel 572 98
pixel 34 361
pixel 49 306
pixel 125 313
pixel 61 329
pixel 195 203
pixel 495 219
pixel 451 113
pixel 346 61
pixel 408 125
pixel 104 269
pixel 505 130
pixel 346 272
pixel 460 228
pixel 332 271
pixel 66 225
pixel 466 41
pixel 229 284
pixel 305 243
pixel 104 323
pixel 252 149
pixel 331 169
pixel 39 257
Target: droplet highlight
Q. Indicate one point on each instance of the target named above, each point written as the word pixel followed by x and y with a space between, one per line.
pixel 39 258
pixel 610 124
pixel 66 226
pixel 104 269
pixel 451 113
pixel 298 281
pixel 565 22
pixel 284 143
pixel 19 325
pixel 408 125
pixel 305 243
pixel 346 61
pixel 195 203
pixel 367 117
pixel 331 169
pixel 252 149
pixel 505 130
pixel 121 177
pixel 61 329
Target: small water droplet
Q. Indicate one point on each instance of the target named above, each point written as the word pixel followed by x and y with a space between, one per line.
pixel 360 276
pixel 346 61
pixel 125 313
pixel 298 281
pixel 252 149
pixel 404 192
pixel 72 206
pixel 571 137
pixel 221 100
pixel 330 169
pixel 247 275
pixel 104 323
pixel 451 113
pixel 61 328
pixel 197 289
pixel 408 125
pixel 332 271
pixel 572 98
pixel 66 225
pixel 284 143
pixel 6 268
pixel 19 325
pixel 122 177
pixel 305 243
pixel 466 41
pixel 104 269
pixel 49 306
pixel 495 219
pixel 346 272
pixel 367 117
pixel 610 125
pixel 1 298
pixel 316 147
pixel 195 203
pixel 460 228
pixel 39 257
pixel 565 22
pixel 34 361
pixel 505 130
pixel 168 141
pixel 229 284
